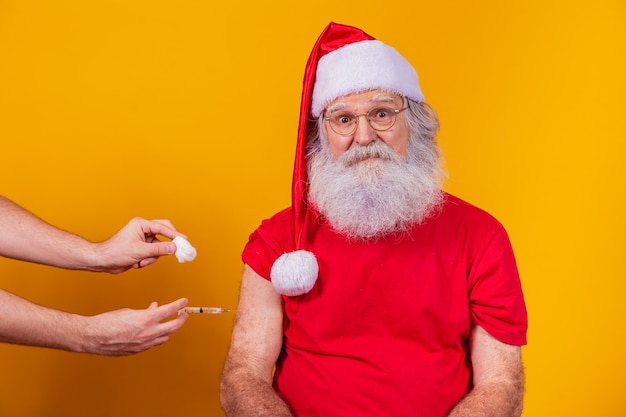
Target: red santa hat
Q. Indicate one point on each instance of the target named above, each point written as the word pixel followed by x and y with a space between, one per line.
pixel 344 60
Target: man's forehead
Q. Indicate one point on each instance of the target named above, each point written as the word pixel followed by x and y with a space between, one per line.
pixel 374 97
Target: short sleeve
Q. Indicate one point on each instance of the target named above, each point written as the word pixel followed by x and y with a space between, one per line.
pixel 495 291
pixel 269 241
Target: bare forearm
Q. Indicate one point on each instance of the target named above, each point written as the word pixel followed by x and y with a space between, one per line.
pixel 498 379
pixel 114 333
pixel 504 399
pixel 246 384
pixel 26 323
pixel 245 395
pixel 26 237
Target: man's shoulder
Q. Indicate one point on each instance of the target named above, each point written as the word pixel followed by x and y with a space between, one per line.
pixel 279 225
pixel 279 218
pixel 454 202
pixel 459 208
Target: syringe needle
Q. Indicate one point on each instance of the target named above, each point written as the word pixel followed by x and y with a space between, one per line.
pixel 204 310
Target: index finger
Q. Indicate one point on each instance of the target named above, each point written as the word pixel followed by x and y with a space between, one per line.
pixel 161 227
pixel 167 310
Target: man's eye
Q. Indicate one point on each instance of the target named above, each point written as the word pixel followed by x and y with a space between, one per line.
pixel 342 119
pixel 380 114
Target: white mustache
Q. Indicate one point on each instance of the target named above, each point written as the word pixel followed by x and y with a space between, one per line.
pixel 374 149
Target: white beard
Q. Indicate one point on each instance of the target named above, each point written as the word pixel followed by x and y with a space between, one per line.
pixel 368 199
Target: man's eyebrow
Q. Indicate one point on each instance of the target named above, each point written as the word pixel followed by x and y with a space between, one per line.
pixel 383 98
pixel 335 107
pixel 377 99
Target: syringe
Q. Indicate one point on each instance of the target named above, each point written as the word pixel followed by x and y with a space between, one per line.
pixel 203 310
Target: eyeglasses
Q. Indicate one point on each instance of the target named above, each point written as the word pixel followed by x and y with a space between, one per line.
pixel 380 119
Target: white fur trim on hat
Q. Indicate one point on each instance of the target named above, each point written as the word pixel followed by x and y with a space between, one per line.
pixel 294 273
pixel 362 66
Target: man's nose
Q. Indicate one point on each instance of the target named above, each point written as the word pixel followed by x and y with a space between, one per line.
pixel 364 134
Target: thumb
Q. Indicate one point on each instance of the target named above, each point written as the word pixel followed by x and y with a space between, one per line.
pixel 161 249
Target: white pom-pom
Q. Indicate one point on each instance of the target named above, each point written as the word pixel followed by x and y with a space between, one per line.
pixel 184 251
pixel 294 273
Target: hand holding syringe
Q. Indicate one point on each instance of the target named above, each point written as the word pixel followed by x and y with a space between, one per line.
pixel 187 253
pixel 203 310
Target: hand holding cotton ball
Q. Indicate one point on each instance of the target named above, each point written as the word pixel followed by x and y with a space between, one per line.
pixel 184 251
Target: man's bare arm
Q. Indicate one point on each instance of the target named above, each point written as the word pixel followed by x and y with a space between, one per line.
pixel 246 384
pixel 498 379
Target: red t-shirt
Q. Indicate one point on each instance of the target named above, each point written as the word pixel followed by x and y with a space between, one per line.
pixel 384 331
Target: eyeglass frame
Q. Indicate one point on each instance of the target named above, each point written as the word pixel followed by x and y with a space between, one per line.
pixel 396 112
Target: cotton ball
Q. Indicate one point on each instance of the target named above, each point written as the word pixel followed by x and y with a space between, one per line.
pixel 184 251
pixel 294 273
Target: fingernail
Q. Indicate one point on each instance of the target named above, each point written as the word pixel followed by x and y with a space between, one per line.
pixel 170 249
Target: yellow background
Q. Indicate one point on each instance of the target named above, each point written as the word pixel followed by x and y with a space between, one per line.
pixel 187 110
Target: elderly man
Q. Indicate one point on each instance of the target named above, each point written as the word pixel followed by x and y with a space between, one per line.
pixel 376 293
